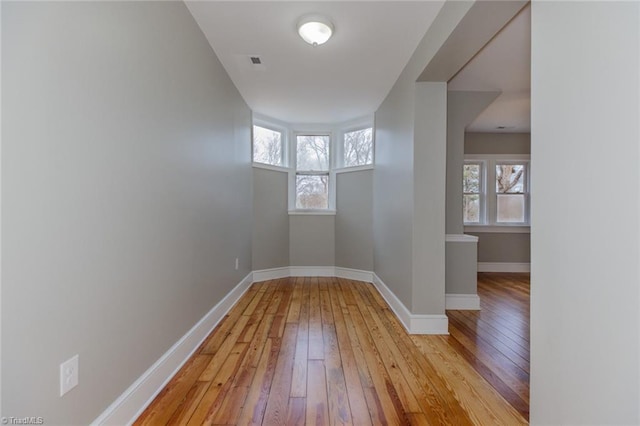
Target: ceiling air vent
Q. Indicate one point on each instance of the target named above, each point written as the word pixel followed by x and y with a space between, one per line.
pixel 249 62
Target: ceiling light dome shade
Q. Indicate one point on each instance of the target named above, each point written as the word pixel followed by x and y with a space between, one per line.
pixel 315 30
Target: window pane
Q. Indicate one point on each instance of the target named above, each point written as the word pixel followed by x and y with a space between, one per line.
pixel 358 148
pixel 312 192
pixel 510 208
pixel 312 153
pixel 510 178
pixel 267 146
pixel 471 208
pixel 471 178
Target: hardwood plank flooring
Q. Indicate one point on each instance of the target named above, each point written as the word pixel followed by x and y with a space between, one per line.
pixel 495 340
pixel 325 351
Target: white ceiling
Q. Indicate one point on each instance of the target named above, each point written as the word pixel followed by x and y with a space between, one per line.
pixel 346 78
pixel 505 65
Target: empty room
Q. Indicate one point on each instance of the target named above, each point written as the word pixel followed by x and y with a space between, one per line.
pixel 320 212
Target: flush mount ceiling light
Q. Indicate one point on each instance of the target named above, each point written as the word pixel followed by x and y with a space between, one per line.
pixel 315 30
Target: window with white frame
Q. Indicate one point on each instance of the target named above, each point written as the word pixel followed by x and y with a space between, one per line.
pixel 268 146
pixel 312 171
pixel 312 157
pixel 496 190
pixel 511 203
pixel 473 198
pixel 357 147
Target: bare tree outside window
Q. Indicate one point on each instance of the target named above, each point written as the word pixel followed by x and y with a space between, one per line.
pixel 312 171
pixel 312 192
pixel 358 147
pixel 312 153
pixel 267 146
pixel 510 193
pixel 471 191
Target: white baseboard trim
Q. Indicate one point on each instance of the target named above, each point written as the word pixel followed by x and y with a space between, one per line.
pixel 413 323
pixel 503 267
pixel 128 407
pixel 312 271
pixel 354 274
pixel 468 302
pixel 270 274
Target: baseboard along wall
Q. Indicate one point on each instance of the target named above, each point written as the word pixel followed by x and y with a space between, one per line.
pixel 128 407
pixel 503 267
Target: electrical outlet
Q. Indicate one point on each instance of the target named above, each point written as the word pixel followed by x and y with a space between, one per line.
pixel 69 374
pixel 237 264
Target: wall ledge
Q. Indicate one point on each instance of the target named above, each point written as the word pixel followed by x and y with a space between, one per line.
pixel 461 238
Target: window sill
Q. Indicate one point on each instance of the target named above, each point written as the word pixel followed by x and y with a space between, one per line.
pixel 270 167
pixel 312 212
pixel 354 169
pixel 498 229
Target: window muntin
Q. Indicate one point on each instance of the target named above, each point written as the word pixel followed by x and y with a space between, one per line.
pixel 472 192
pixel 358 147
pixel 268 146
pixel 312 171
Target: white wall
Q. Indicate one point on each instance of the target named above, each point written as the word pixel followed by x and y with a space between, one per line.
pixel 585 213
pixel 126 195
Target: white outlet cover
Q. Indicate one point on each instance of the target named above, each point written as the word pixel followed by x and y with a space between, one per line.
pixel 69 374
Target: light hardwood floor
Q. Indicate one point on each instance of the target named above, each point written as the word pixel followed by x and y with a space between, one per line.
pixel 495 340
pixel 328 351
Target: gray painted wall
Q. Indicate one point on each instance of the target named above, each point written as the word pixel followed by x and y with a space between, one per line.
pixel 126 195
pixel 429 193
pixel 585 305
pixel 503 247
pixel 312 240
pixel 393 175
pixel 462 108
pixel 497 143
pixel 461 267
pixel 270 219
pixel 493 246
pixel 344 240
pixel 392 192
pixel 354 220
pixel 461 258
